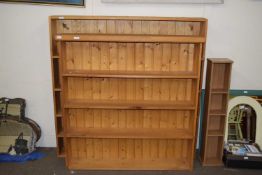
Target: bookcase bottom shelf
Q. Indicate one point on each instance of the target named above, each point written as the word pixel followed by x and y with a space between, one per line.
pixel 60 147
pixel 130 154
pixel 172 164
pixel 214 161
pixel 214 151
pixel 61 154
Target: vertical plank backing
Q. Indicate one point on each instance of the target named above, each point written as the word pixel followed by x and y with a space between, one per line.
pixel 110 26
pixel 146 57
pixel 86 56
pixel 139 56
pixel 130 57
pixel 122 56
pixel 95 55
pixel 104 56
pixel 113 54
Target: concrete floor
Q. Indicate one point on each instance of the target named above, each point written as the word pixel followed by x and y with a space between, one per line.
pixel 51 165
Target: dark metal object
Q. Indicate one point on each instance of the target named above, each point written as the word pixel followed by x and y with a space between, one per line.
pixel 21 145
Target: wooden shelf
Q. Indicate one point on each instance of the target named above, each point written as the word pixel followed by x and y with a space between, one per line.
pixel 221 70
pixel 58 112
pixel 213 162
pixel 59 115
pixel 128 18
pixel 130 38
pixel 57 89
pixel 101 164
pixel 130 74
pixel 56 72
pixel 60 146
pixel 215 133
pixel 61 153
pixel 131 133
pixel 220 60
pixel 219 91
pixel 218 103
pixel 109 104
pixel 55 57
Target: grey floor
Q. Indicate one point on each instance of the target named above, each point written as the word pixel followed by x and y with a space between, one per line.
pixel 51 165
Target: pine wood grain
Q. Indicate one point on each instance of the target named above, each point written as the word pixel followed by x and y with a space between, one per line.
pixel 129 90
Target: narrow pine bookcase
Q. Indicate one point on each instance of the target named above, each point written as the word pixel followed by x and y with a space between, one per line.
pixel 126 90
pixel 218 78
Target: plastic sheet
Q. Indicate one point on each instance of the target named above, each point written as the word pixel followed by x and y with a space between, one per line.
pixel 21 158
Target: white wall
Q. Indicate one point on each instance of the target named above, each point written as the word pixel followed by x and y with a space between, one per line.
pixel 234 32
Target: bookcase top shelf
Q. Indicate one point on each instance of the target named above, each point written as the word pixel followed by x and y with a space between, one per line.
pixel 130 38
pixel 220 60
pixel 144 18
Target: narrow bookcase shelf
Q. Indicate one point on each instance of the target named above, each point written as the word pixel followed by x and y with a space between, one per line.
pixel 61 154
pixel 55 72
pixel 55 57
pixel 57 89
pixel 130 38
pixel 215 133
pixel 130 74
pixel 61 147
pixel 131 133
pixel 214 161
pixel 219 91
pixel 215 151
pixel 128 89
pixel 57 103
pixel 58 112
pixel 217 102
pixel 216 125
pixel 110 104
pixel 216 99
pixel 58 115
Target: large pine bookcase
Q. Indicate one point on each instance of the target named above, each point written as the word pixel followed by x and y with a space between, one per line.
pixel 126 90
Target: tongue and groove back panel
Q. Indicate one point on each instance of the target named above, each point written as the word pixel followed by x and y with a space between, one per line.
pixel 126 90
